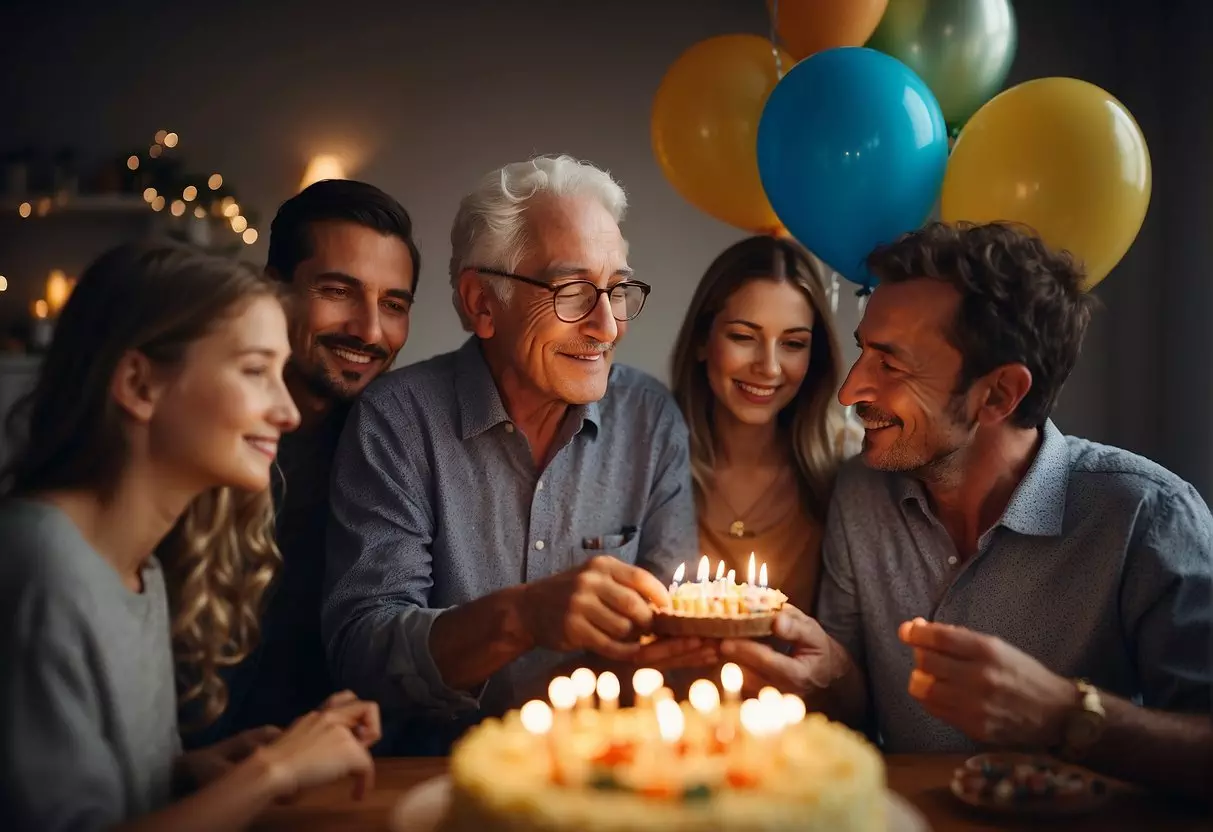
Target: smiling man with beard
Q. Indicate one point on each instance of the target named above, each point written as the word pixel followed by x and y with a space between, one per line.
pixel 990 582
pixel 503 506
pixel 346 251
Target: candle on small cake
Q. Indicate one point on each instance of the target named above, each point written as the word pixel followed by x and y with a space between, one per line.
pixel 719 608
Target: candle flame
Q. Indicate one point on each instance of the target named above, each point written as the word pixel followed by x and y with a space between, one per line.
pixel 793 709
pixel 608 686
pixel 680 573
pixel 646 681
pixel 768 697
pixel 753 718
pixel 720 571
pixel 750 574
pixel 561 693
pixel 762 576
pixel 730 677
pixel 703 696
pixel 704 569
pixel 536 717
pixel 670 720
pixel 584 681
pixel 732 576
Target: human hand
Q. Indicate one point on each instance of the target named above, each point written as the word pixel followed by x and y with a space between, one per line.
pixel 670 653
pixel 363 716
pixel 993 692
pixel 320 747
pixel 601 605
pixel 204 765
pixel 815 659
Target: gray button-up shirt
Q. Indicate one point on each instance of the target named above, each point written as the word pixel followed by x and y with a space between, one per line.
pixel 1101 567
pixel 436 502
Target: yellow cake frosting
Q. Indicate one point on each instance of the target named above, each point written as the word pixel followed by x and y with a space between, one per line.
pixel 762 764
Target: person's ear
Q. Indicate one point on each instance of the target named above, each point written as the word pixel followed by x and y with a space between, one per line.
pixel 1006 387
pixel 135 386
pixel 478 303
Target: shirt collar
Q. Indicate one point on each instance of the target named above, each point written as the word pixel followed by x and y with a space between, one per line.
pixel 1038 504
pixel 480 405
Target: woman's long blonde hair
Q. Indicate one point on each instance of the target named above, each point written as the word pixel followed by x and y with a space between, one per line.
pixel 157 299
pixel 813 420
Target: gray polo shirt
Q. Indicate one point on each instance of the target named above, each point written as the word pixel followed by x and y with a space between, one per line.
pixel 436 502
pixel 1101 567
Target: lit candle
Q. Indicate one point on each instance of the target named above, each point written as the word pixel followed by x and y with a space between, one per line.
pixel 563 697
pixel 702 578
pixel 720 571
pixel 756 720
pixel 679 574
pixel 704 569
pixel 731 578
pixel 730 680
pixel 762 576
pixel 584 683
pixel 750 574
pixel 536 717
pixel 793 709
pixel 608 692
pixel 704 697
pixel 670 721
pixel 771 701
pixel 645 683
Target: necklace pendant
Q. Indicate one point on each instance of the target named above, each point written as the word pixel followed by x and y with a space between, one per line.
pixel 737 528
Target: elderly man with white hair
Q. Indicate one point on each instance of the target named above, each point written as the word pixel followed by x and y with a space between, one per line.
pixel 500 508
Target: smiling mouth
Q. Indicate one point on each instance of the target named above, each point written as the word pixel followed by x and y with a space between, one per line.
pixel 758 391
pixel 265 445
pixel 351 356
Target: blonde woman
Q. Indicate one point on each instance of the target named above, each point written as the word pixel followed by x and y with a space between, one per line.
pixel 755 372
pixel 152 429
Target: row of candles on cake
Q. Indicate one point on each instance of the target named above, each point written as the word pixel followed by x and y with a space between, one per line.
pixel 765 716
pixel 722 579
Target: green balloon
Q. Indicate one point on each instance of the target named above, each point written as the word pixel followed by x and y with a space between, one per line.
pixel 962 49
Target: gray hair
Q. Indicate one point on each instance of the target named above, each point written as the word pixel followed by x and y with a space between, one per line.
pixel 490 228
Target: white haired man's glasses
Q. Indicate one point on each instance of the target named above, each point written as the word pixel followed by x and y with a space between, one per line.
pixel 574 300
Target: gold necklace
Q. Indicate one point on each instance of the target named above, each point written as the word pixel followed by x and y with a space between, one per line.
pixel 738 528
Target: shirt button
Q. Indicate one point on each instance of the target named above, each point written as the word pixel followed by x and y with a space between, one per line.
pixel 539 485
pixel 509 427
pixel 538 544
pixel 952 560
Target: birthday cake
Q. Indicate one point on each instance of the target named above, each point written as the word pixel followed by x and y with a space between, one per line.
pixel 720 608
pixel 582 764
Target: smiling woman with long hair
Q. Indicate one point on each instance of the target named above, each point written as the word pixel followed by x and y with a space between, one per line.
pixel 755 372
pixel 152 429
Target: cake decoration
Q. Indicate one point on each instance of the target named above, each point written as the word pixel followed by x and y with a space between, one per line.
pixel 719 608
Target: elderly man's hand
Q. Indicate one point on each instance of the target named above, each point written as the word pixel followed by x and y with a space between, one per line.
pixel 992 691
pixel 602 606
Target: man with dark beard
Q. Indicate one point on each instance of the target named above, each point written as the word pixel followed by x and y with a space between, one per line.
pixel 346 249
pixel 989 581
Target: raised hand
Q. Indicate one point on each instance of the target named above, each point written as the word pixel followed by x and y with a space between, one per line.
pixel 814 661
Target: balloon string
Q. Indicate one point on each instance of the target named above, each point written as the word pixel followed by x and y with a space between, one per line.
pixel 775 40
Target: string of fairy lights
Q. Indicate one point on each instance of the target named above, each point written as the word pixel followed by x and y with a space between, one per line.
pixel 202 195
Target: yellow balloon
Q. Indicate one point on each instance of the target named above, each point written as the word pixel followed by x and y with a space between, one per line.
pixel 1061 156
pixel 705 127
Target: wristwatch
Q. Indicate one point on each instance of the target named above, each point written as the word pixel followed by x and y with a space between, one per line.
pixel 1084 724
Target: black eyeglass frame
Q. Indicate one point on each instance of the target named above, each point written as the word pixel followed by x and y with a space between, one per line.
pixel 555 290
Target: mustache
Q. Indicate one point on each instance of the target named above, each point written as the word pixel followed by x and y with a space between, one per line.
pixel 349 342
pixel 874 414
pixel 582 347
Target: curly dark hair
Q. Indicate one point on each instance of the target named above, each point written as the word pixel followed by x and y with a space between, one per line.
pixel 1020 302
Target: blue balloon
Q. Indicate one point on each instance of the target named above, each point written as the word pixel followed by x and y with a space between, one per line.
pixel 852 148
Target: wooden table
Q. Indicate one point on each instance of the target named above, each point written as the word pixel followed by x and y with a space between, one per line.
pixel 921 779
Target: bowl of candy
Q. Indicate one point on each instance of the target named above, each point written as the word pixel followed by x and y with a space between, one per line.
pixel 1028 784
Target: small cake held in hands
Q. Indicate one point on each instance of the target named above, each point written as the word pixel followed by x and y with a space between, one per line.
pixel 720 608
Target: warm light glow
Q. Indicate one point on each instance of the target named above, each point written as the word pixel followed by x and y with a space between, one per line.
pixel 730 678
pixel 154 151
pixel 159 137
pixel 158 204
pixel 768 697
pixel 561 693
pixel 670 720
pixel 132 162
pixel 239 223
pixel 3 283
pixel 25 209
pixel 762 576
pixel 753 717
pixel 322 166
pixel 40 310
pixel 608 687
pixel 750 574
pixel 680 573
pixel 215 182
pixel 646 681
pixel 249 236
pixel 731 578
pixel 705 569
pixel 792 709
pixel 149 194
pixel 703 696
pixel 177 208
pixel 190 193
pixel 720 571
pixel 584 682
pixel 230 208
pixel 536 717
pixel 200 213
pixel 57 290
pixel 170 140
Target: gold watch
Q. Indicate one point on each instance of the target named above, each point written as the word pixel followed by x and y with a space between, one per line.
pixel 1084 724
